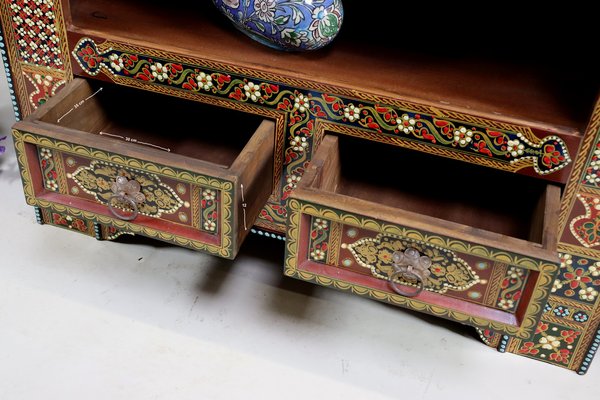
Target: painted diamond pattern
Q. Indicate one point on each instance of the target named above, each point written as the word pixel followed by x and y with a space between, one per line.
pixel 34 27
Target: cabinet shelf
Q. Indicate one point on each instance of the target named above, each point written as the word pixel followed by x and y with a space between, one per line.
pixel 516 79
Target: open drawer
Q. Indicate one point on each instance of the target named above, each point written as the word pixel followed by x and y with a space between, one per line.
pixel 149 164
pixel 451 239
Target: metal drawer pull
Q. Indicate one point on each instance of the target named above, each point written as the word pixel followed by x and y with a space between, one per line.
pixel 411 267
pixel 125 191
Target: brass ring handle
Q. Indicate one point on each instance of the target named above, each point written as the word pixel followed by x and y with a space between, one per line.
pixel 412 267
pixel 123 199
pixel 411 276
pixel 126 191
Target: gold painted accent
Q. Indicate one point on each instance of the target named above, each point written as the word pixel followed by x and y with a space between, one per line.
pixel 586 339
pixel 224 250
pixel 580 164
pixel 335 238
pixel 578 250
pixel 513 345
pixel 570 303
pixel 196 206
pixel 60 172
pixel 376 254
pixel 493 289
pixel 528 322
pixel 157 197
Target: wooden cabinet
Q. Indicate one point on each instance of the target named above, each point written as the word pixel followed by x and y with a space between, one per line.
pixel 481 158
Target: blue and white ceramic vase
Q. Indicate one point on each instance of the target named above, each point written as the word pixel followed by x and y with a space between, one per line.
pixel 295 25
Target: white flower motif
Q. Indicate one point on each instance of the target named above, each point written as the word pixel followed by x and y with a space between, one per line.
pixel 515 147
pixel 549 342
pixel 588 294
pixel 301 103
pixel 515 272
pixel 556 285
pixel 352 112
pixel 265 9
pixel 204 81
pixel 209 195
pixel 252 91
pixel 116 62
pixel 51 184
pixel 463 136
pixel 210 226
pixel 506 304
pixel 567 259
pixel 45 153
pixel 159 71
pixel 405 123
pixel 592 178
pixel 299 144
pixel 317 254
pixel 595 269
pixel 292 181
pixel 320 223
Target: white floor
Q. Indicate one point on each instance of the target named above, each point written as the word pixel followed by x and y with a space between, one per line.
pixel 82 319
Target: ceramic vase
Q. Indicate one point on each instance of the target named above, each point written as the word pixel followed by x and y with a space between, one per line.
pixel 293 25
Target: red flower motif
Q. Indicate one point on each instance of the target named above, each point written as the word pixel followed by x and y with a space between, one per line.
pixel 576 277
pixel 542 327
pixel 570 335
pixel 561 356
pixel 482 148
pixel 552 156
pixel 89 56
pixel 528 348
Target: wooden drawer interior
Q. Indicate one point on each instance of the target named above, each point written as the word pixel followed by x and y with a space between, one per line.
pixel 196 152
pixel 444 192
pixel 176 126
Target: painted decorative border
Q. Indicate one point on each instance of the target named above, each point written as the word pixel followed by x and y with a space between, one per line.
pixel 23 71
pixel 528 322
pixel 578 171
pixel 585 364
pixel 267 234
pixel 225 250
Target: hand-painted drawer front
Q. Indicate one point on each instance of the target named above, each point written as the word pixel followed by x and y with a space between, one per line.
pixel 171 200
pixel 458 275
pixel 469 283
pixel 180 207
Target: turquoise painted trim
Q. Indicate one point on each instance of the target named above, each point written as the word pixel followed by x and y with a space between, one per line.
pixel 38 215
pixel 585 364
pixel 503 343
pixel 97 231
pixel 9 80
pixel 267 234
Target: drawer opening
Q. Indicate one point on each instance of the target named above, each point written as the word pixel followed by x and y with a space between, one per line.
pixel 204 193
pixel 156 121
pixel 482 198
